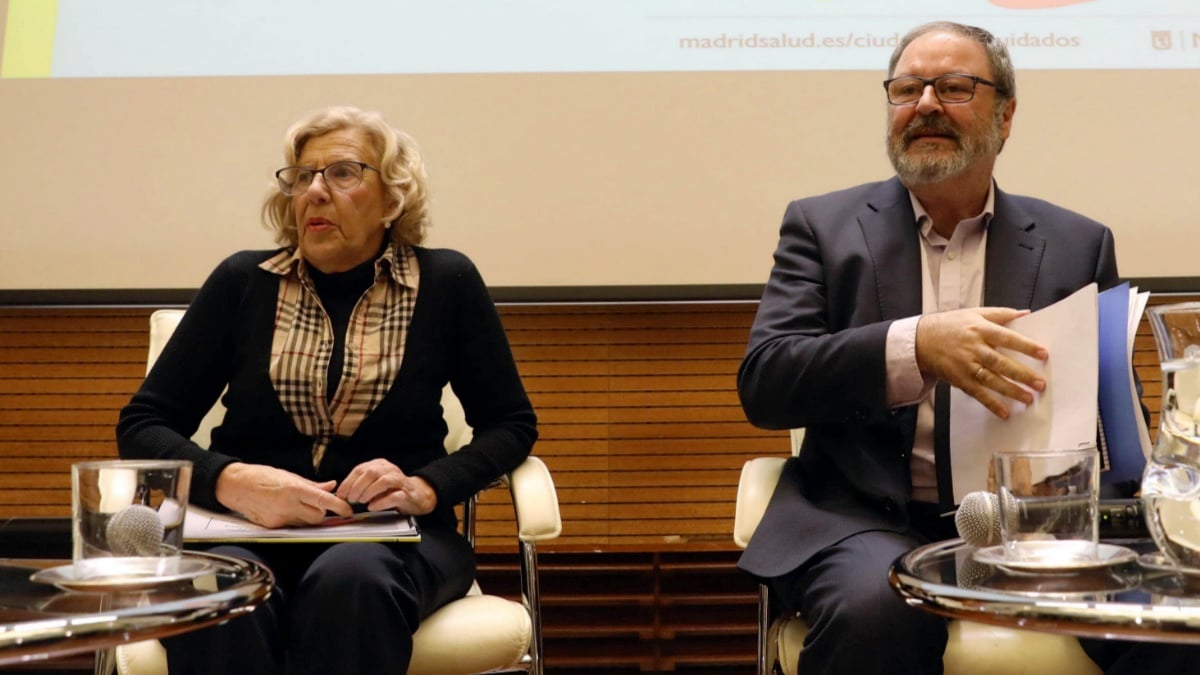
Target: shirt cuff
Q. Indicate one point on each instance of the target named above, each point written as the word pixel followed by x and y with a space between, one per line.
pixel 905 383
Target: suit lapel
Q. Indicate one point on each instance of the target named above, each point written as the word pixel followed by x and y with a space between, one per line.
pixel 1014 256
pixel 888 226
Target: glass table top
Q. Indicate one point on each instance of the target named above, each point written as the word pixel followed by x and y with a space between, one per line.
pixel 1136 597
pixel 42 620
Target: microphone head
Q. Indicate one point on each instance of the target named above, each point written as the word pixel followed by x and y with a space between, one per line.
pixel 978 519
pixel 135 530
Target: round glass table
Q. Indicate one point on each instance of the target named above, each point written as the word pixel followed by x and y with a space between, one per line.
pixel 40 621
pixel 1131 597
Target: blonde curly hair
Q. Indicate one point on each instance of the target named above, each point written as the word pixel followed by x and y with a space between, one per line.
pixel 400 169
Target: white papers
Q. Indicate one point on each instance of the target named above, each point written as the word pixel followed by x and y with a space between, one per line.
pixel 204 525
pixel 1063 416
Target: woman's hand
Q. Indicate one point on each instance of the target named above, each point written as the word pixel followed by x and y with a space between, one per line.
pixel 276 498
pixel 382 485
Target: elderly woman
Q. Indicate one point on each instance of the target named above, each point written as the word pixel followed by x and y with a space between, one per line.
pixel 334 351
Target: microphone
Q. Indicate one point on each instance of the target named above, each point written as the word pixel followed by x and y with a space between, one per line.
pixel 134 531
pixel 978 518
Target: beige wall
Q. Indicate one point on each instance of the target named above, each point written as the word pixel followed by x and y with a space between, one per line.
pixel 556 179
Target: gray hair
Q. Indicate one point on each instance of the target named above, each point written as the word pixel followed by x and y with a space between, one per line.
pixel 998 58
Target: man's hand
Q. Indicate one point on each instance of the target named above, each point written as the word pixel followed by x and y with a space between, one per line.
pixel 276 498
pixel 382 485
pixel 962 347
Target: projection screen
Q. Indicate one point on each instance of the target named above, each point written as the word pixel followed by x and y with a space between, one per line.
pixel 646 148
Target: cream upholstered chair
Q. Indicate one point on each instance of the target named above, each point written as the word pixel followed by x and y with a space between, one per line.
pixel 476 634
pixel 973 648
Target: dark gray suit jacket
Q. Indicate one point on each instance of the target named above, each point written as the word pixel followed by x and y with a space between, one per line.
pixel 848 265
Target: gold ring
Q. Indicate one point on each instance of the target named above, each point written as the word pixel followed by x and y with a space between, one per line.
pixel 979 374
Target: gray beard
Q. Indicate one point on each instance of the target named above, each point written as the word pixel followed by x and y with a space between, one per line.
pixel 924 169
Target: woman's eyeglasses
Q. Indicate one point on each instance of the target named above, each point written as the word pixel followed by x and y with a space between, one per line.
pixel 340 176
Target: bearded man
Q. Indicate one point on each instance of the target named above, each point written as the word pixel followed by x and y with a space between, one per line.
pixel 881 297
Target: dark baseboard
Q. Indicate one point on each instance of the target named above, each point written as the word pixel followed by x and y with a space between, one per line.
pixel 35 538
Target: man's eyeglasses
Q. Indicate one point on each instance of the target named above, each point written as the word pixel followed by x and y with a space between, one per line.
pixel 950 88
pixel 340 176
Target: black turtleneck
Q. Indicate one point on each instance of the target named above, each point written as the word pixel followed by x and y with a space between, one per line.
pixel 339 293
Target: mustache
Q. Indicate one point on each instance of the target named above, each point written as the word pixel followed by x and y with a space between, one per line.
pixel 927 125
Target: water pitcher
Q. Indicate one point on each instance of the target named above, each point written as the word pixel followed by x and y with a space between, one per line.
pixel 1171 483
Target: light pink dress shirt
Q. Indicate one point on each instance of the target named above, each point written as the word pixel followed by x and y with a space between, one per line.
pixel 951 278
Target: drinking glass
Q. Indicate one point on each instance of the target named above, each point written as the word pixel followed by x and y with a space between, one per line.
pixel 127 517
pixel 1049 505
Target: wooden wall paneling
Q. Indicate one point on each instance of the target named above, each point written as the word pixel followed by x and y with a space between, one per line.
pixel 64 374
pixel 706 617
pixel 638 415
pixel 651 611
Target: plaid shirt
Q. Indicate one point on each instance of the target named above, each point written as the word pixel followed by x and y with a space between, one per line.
pixel 303 344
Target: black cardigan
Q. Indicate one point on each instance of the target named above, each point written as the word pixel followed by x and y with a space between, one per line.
pixel 224 340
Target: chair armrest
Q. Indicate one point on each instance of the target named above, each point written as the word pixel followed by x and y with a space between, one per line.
pixel 757 483
pixel 162 325
pixel 535 501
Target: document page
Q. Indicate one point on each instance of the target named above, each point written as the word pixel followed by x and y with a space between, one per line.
pixel 389 526
pixel 1063 416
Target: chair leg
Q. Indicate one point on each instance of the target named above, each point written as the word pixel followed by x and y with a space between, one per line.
pixel 468 520
pixel 531 596
pixel 105 661
pixel 766 646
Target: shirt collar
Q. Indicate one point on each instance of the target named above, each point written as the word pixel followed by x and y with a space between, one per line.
pixel 925 223
pixel 397 263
